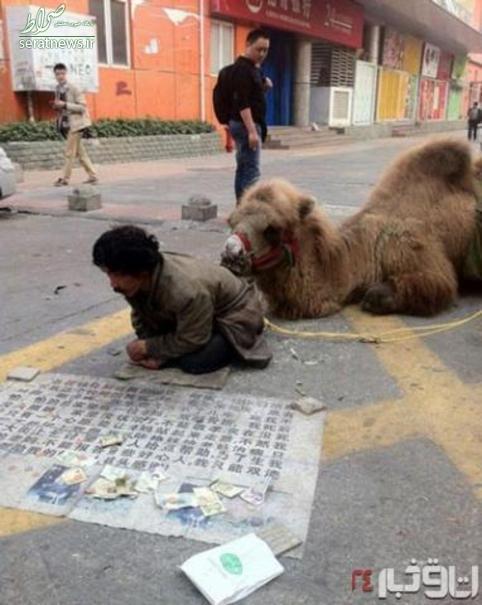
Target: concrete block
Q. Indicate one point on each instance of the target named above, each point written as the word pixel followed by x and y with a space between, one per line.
pixel 199 208
pixel 85 198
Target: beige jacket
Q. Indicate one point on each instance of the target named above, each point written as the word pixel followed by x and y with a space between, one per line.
pixel 188 299
pixel 77 108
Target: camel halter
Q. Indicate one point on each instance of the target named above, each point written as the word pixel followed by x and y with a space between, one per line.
pixel 288 249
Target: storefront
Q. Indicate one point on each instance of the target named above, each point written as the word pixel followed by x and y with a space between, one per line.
pixel 456 87
pixel 434 84
pixel 293 26
pixel 398 77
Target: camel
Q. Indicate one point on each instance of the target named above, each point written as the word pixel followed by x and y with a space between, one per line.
pixel 403 252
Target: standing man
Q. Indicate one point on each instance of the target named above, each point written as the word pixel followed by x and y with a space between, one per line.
pixel 72 119
pixel 248 122
pixel 473 121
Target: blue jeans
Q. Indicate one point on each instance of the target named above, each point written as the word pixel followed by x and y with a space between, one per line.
pixel 247 159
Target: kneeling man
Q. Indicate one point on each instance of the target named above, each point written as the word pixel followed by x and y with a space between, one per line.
pixel 186 312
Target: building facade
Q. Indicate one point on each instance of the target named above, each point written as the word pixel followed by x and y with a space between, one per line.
pixel 334 62
pixel 420 50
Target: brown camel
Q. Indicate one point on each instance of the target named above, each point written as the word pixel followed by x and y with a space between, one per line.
pixel 401 253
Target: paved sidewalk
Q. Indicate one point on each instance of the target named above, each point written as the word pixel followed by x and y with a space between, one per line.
pixel 339 176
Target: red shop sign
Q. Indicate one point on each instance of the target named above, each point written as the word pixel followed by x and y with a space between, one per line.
pixel 339 21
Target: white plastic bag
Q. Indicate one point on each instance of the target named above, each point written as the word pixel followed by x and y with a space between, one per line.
pixel 228 573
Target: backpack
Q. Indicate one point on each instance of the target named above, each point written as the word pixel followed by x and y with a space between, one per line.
pixel 223 95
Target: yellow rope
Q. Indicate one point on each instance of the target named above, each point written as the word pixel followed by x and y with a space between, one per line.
pixel 396 335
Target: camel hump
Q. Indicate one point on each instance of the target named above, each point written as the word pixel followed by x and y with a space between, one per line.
pixel 446 158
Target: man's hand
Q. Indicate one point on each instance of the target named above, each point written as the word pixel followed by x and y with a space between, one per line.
pixel 253 139
pixel 267 83
pixel 137 350
pixel 59 104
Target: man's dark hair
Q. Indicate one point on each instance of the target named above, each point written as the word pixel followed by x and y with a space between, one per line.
pixel 255 34
pixel 59 66
pixel 128 250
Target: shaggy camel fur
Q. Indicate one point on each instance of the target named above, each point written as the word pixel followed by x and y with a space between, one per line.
pixel 401 253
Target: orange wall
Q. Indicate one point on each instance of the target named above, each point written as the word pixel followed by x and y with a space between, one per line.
pixel 13 105
pixel 162 79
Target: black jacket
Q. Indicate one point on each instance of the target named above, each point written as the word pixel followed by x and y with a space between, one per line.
pixel 248 91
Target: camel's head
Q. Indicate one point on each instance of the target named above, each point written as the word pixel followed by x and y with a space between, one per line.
pixel 266 227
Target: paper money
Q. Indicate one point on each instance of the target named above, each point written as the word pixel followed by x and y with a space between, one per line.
pixel 176 501
pixel 109 440
pixel 75 459
pixel 208 501
pixel 104 489
pixel 125 488
pixel 110 490
pixel 112 473
pixel 73 476
pixel 226 489
pixel 149 482
pixel 213 508
pixel 204 495
pixel 256 495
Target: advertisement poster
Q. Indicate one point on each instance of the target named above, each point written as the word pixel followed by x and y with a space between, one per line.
pixel 39 38
pixel 431 58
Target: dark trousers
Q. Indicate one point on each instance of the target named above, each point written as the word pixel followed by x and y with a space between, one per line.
pixel 472 130
pixel 217 353
pixel 247 159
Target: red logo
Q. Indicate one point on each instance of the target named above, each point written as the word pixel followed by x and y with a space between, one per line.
pixel 255 5
pixel 366 579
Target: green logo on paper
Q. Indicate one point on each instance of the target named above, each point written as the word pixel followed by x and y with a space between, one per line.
pixel 231 563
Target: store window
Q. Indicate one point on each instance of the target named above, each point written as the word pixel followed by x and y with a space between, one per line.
pixel 112 38
pixel 222 45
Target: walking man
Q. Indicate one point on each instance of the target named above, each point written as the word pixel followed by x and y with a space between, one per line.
pixel 72 119
pixel 248 121
pixel 473 121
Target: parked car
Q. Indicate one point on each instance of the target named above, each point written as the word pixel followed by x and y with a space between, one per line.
pixel 7 175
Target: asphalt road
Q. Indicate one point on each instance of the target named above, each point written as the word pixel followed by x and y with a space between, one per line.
pixel 401 468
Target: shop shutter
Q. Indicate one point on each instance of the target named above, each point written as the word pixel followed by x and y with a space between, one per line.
pixel 320 64
pixel 332 65
pixel 365 92
pixel 412 56
pixel 394 95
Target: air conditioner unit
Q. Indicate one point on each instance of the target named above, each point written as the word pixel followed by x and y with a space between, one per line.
pixel 340 106
pixel 331 105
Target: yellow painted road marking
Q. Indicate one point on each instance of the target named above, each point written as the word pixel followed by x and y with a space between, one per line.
pixel 47 355
pixel 435 404
pixel 376 425
pixel 17 521
pixel 66 346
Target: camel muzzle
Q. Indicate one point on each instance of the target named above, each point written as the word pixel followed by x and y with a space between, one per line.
pixel 235 257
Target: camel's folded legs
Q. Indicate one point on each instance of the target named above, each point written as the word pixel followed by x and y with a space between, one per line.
pixel 417 293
